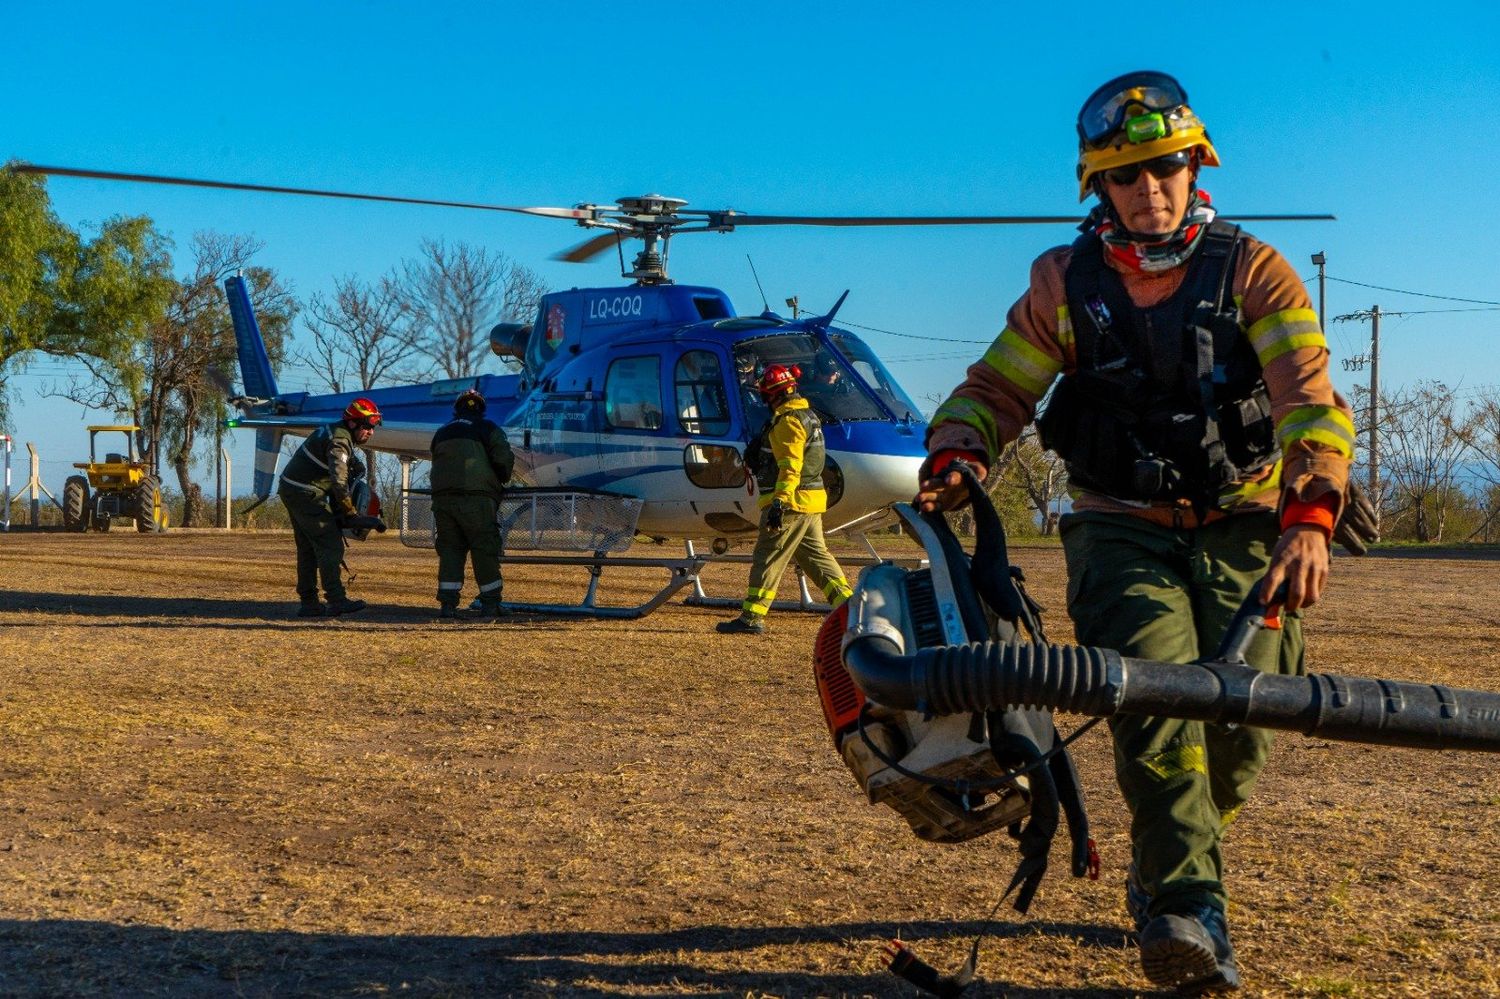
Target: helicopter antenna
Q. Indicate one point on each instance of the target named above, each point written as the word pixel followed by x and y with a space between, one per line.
pixel 764 304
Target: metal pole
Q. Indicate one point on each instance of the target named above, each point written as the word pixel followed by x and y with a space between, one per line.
pixel 1375 408
pixel 35 485
pixel 6 439
pixel 225 511
pixel 1319 259
pixel 219 519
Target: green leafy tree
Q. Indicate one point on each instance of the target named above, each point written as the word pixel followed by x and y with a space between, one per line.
pixel 37 253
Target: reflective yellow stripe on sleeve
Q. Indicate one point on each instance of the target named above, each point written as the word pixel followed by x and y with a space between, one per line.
pixel 1324 424
pixel 1021 364
pixel 970 413
pixel 1285 331
pixel 1064 328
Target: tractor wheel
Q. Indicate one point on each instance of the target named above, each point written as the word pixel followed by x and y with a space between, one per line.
pixel 76 503
pixel 147 506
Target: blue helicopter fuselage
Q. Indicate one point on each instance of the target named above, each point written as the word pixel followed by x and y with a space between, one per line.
pixel 646 391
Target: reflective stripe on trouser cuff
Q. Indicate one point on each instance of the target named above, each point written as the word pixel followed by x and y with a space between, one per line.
pixel 487 587
pixel 837 588
pixel 450 586
pixel 758 602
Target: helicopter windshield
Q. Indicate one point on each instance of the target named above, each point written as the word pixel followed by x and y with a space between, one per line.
pixel 841 384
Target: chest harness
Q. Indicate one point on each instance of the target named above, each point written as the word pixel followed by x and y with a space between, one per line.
pixel 761 460
pixel 1166 402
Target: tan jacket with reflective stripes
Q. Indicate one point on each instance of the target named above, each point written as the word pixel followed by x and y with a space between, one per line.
pixel 1314 425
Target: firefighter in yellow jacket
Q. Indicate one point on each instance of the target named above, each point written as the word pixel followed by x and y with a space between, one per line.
pixel 792 501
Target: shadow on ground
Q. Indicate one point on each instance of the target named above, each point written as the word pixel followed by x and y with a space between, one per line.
pixel 76 958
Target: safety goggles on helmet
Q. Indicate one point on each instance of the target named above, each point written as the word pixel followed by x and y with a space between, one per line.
pixel 1134 102
pixel 1161 168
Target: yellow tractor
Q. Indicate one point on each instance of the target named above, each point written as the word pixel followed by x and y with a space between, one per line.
pixel 122 488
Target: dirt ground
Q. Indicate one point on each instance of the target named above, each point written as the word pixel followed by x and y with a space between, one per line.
pixel 201 795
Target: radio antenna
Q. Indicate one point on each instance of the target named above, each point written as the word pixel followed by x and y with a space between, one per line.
pixel 764 304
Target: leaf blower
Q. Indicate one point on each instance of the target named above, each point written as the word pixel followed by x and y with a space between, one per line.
pixel 923 700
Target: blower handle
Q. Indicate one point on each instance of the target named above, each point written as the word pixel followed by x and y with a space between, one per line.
pixel 1251 618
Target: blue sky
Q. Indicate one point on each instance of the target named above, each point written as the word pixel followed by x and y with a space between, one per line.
pixel 1385 115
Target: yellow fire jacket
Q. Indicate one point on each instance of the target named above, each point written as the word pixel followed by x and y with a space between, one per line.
pixel 797 445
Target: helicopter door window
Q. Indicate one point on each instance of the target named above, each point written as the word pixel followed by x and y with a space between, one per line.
pixel 702 408
pixel 632 394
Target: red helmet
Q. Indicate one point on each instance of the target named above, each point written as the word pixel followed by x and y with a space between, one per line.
pixel 778 378
pixel 363 413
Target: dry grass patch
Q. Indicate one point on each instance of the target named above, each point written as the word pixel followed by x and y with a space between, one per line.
pixel 201 795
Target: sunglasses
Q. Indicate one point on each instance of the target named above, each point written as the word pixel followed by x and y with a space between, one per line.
pixel 1161 168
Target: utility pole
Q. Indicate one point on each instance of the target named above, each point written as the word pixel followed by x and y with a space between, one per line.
pixel 1375 409
pixel 1320 260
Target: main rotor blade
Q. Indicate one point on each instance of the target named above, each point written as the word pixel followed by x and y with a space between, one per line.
pixel 589 248
pixel 735 219
pixel 144 178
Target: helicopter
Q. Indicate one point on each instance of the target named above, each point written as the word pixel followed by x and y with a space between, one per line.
pixel 643 390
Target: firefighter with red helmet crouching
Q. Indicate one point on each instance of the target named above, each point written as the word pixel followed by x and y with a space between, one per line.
pixel 315 488
pixel 787 459
pixel 471 461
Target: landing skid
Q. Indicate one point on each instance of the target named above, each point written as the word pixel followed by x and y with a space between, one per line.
pixel 682 571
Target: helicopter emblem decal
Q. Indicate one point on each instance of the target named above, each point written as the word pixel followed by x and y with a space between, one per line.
pixel 556 324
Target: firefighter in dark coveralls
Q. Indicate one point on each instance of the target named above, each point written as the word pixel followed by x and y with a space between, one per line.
pixel 471 462
pixel 314 488
pixel 792 501
pixel 1207 450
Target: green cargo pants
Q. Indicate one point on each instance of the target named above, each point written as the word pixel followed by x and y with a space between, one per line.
pixel 465 528
pixel 320 544
pixel 800 538
pixel 1168 594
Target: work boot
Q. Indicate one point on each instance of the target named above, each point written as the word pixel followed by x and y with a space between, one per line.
pixel 493 611
pixel 448 612
pixel 343 605
pixel 311 608
pixel 1190 952
pixel 1137 899
pixel 745 624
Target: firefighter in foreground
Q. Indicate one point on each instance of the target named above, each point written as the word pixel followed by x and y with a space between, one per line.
pixel 471 462
pixel 315 487
pixel 1206 449
pixel 789 471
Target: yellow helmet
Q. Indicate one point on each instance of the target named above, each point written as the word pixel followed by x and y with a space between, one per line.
pixel 1137 117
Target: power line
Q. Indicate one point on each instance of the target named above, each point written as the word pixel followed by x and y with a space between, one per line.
pixel 913 336
pixel 1419 294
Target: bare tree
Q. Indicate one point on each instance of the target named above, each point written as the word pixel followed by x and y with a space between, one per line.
pixel 1481 437
pixel 456 293
pixel 1422 453
pixel 363 336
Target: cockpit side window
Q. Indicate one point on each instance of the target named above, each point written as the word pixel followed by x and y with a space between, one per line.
pixel 632 394
pixel 702 406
